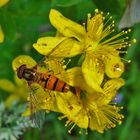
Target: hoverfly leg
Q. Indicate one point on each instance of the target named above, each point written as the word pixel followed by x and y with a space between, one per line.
pixel 35 88
pixel 31 105
pixel 78 90
pixel 35 67
pixel 50 72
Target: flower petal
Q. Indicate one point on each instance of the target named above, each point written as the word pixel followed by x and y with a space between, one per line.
pixel 7 85
pixel 110 89
pixel 68 103
pixel 113 66
pixel 74 77
pixel 70 106
pixel 95 122
pixel 27 112
pixel 23 59
pixel 93 71
pixel 68 48
pixel 66 26
pixel 11 100
pixel 46 45
pixel 1 35
pixel 80 119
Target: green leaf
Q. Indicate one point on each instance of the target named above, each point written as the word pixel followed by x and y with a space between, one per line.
pixel 126 130
pixel 8 25
pixel 64 3
pixel 134 105
pixel 111 6
pixel 133 72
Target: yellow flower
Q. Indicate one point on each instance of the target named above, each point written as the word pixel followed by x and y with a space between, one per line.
pixel 96 113
pixel 1 35
pixel 95 41
pixel 3 2
pixel 39 98
pixel 18 90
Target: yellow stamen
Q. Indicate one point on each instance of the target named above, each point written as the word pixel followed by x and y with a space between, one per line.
pixel 71 128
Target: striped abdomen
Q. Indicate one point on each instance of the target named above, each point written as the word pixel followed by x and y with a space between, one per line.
pixel 51 82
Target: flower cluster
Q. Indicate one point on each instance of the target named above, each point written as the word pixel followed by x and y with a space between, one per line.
pixel 98 76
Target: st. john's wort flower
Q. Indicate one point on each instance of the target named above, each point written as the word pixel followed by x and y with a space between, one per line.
pixel 95 40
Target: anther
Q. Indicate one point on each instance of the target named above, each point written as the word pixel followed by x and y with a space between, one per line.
pixel 129 30
pixel 102 13
pixel 129 61
pixel 120 122
pixel 80 132
pixel 96 10
pixel 86 132
pixel 134 40
pixel 89 15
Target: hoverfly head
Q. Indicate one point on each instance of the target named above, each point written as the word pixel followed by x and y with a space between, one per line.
pixel 27 73
pixel 20 71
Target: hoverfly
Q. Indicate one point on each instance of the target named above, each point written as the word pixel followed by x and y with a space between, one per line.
pixel 46 80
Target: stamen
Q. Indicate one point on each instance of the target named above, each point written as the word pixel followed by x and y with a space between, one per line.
pixel 96 10
pixel 89 15
pixel 127 61
pixel 71 128
pixel 123 52
pixel 134 40
pixel 86 132
pixel 120 122
pixel 102 13
pixel 113 38
pixel 62 117
pixel 84 24
pixel 108 13
pixel 68 122
pixel 129 30
pixel 80 131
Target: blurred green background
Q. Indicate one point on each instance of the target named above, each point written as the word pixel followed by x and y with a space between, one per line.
pixel 24 21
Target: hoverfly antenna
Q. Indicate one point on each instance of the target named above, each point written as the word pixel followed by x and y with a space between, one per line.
pixel 20 71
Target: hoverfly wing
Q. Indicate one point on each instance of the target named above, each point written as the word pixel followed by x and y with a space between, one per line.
pixel 37 116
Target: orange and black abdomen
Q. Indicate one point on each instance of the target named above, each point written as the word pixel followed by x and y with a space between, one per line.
pixel 51 82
